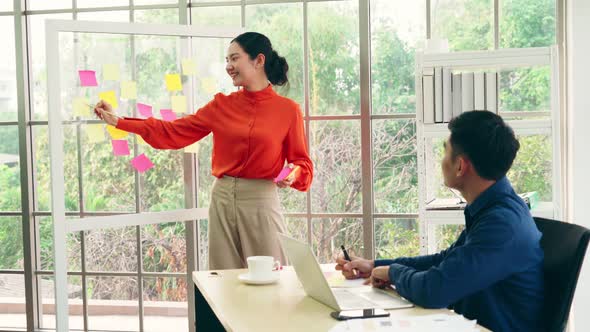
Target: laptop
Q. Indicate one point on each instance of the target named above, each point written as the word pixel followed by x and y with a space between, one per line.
pixel 316 286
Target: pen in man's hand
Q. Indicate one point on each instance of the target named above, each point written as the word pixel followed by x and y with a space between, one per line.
pixel 347 257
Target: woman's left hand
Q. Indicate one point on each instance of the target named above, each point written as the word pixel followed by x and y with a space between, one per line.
pixel 288 181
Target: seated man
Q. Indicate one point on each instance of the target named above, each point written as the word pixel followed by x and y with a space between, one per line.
pixel 493 272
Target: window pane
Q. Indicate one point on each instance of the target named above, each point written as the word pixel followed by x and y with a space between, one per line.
pixel 165 304
pixel 395 175
pixel 45 241
pixel 396 238
pixel 532 168
pixel 162 187
pixel 159 16
pixel 164 247
pixel 11 250
pixel 297 228
pixel 334 57
pixel 108 180
pixel 445 235
pixel 328 234
pixel 527 23
pixel 12 295
pixel 102 3
pixel 6 5
pixel 203 244
pixel 113 299
pixel 204 169
pixel 47 292
pixel 223 16
pixel 39 64
pixel 107 16
pixel 335 150
pixel 8 105
pixel 283 25
pixel 113 249
pixel 155 2
pixel 467 24
pixel 398 29
pixel 42 170
pixel 527 89
pixel 44 4
pixel 10 199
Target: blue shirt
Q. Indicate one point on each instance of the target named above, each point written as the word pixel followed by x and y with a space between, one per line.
pixel 492 273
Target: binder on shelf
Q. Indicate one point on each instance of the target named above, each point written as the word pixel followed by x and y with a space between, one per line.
pixel 479 102
pixel 467 92
pixel 428 95
pixel 447 95
pixel 438 95
pixel 492 92
pixel 456 89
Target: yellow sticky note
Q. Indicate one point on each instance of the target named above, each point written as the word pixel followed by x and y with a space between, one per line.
pixel 110 72
pixel 189 67
pixel 178 104
pixel 110 97
pixel 95 133
pixel 173 82
pixel 140 140
pixel 193 148
pixel 116 133
pixel 128 90
pixel 80 106
pixel 209 85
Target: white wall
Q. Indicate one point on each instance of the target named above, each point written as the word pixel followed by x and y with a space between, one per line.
pixel 578 26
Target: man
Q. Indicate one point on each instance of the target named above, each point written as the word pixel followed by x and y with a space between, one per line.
pixel 493 272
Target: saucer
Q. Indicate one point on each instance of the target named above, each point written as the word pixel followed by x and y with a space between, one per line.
pixel 245 278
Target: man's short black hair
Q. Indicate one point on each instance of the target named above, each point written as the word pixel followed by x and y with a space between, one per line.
pixel 486 140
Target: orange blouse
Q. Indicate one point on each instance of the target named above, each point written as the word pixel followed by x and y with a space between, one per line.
pixel 253 134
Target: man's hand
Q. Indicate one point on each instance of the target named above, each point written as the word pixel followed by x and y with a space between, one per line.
pixel 357 268
pixel 380 277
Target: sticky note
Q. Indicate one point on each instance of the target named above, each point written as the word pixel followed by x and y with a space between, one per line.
pixel 173 82
pixel 285 173
pixel 120 147
pixel 193 148
pixel 110 97
pixel 144 110
pixel 188 67
pixel 95 133
pixel 140 140
pixel 141 163
pixel 116 133
pixel 128 90
pixel 178 104
pixel 110 72
pixel 87 77
pixel 80 106
pixel 209 85
pixel 168 115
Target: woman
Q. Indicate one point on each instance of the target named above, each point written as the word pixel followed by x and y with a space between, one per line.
pixel 254 131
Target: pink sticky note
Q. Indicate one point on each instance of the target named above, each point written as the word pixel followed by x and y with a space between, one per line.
pixel 141 163
pixel 120 147
pixel 145 110
pixel 87 77
pixel 285 172
pixel 168 115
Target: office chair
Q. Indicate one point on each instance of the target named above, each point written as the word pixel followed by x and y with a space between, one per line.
pixel 564 246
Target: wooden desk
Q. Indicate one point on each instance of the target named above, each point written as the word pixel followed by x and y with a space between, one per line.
pixel 224 303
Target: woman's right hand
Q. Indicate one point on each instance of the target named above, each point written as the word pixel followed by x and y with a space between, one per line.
pixel 104 111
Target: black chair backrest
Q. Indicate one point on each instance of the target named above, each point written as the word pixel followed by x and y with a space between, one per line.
pixel 564 246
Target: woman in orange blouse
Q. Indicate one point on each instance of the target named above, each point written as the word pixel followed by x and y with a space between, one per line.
pixel 255 131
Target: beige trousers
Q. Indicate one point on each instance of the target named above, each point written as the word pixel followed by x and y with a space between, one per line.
pixel 245 218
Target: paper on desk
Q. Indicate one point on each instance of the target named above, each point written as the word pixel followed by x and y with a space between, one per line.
pixel 436 322
pixel 337 280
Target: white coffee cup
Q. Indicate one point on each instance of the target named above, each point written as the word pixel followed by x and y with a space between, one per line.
pixel 261 267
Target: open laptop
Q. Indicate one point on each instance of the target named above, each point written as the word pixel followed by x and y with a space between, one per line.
pixel 316 286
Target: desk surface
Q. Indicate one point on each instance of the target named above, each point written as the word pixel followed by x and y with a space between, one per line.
pixel 281 306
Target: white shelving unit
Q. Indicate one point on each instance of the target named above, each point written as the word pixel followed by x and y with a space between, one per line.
pixel 497 60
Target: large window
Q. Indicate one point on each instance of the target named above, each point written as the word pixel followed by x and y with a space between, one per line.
pixel 139 275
